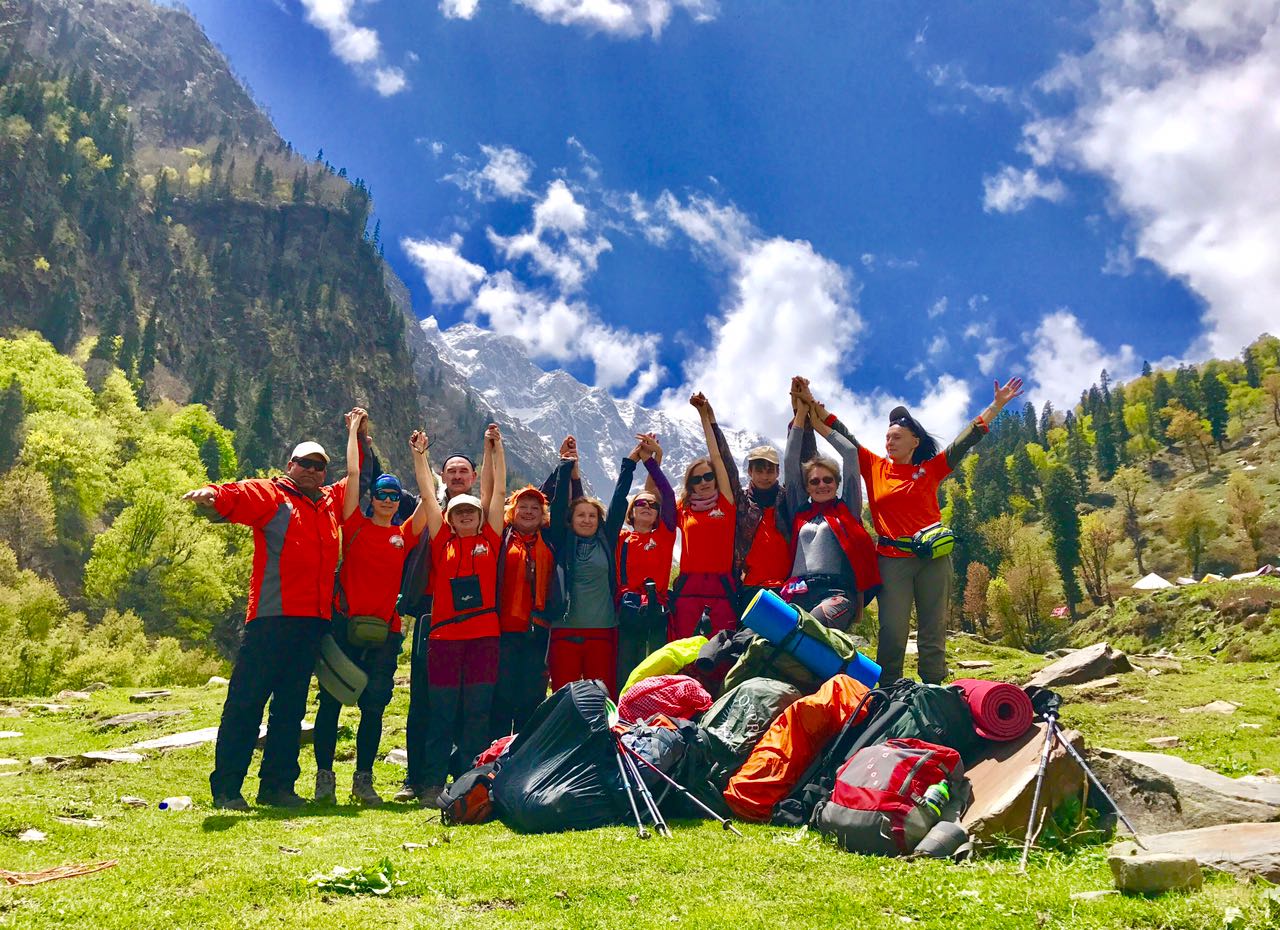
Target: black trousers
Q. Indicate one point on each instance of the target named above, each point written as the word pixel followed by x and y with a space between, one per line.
pixel 379 663
pixel 277 657
pixel 641 631
pixel 415 730
pixel 522 679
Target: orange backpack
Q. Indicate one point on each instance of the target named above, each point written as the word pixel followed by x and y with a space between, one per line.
pixel 790 745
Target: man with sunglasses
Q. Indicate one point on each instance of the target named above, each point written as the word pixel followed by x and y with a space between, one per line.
pixel 295 519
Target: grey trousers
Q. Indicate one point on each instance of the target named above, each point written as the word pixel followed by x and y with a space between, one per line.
pixel 928 585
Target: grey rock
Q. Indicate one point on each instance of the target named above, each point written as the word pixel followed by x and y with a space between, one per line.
pixel 10 712
pixel 1003 779
pixel 9 734
pixel 1247 850
pixel 184 740
pixel 1093 895
pixel 1089 664
pixel 974 663
pixel 1164 742
pixel 138 718
pixel 95 686
pixel 1153 873
pixel 216 681
pixel 1161 792
pixel 9 763
pixel 1096 685
pixel 1213 707
pixel 72 696
pixel 397 757
pixel 142 697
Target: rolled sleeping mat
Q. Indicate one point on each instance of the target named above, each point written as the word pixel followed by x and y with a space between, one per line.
pixel 774 619
pixel 944 841
pixel 338 673
pixel 1001 711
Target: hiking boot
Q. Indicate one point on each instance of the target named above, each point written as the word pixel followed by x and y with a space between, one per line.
pixel 326 787
pixel 430 795
pixel 280 797
pixel 234 802
pixel 408 793
pixel 362 789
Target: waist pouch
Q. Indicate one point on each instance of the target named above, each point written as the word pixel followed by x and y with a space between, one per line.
pixel 932 542
pixel 367 631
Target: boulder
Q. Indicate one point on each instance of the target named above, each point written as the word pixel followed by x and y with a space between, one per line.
pixel 138 718
pixel 1163 742
pixel 142 697
pixel 10 711
pixel 1247 850
pixel 72 696
pixel 397 757
pixel 9 763
pixel 1088 664
pixel 1213 707
pixel 1003 778
pixel 1161 792
pixel 184 740
pixel 87 759
pixel 1096 685
pixel 1152 873
pixel 217 681
pixel 96 686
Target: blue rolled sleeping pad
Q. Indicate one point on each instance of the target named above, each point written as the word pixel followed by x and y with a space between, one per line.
pixel 774 619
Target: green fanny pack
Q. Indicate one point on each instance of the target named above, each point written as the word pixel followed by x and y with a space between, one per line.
pixel 367 631
pixel 932 542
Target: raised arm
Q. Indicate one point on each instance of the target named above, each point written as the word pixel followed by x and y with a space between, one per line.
pixel 972 434
pixel 792 462
pixel 558 523
pixel 426 484
pixel 495 459
pixel 703 406
pixel 617 512
pixel 850 478
pixel 657 482
pixel 350 501
pixel 726 456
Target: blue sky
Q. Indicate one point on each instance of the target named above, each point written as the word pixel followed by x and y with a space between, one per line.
pixel 900 199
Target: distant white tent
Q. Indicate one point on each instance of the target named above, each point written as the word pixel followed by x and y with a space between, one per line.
pixel 1152 582
pixel 1186 581
pixel 1256 573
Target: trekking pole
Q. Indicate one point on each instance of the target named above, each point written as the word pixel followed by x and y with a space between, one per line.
pixel 1071 751
pixel 641 832
pixel 659 824
pixel 1051 720
pixel 723 821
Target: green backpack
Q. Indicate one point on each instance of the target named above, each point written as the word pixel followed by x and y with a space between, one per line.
pixel 936 714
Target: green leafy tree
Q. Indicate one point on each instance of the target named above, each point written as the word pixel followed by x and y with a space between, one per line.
pixel 1130 482
pixel 196 423
pixel 1271 384
pixel 1097 540
pixel 1214 391
pixel 1023 597
pixel 1060 503
pixel 1252 373
pixel 27 514
pixel 1141 431
pixel 1187 428
pixel 78 457
pixel 1193 527
pixel 1245 506
pixel 975 610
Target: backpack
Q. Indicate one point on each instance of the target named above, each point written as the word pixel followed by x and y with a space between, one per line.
pixel 779 660
pixel 469 798
pixel 877 805
pixel 904 710
pixel 733 725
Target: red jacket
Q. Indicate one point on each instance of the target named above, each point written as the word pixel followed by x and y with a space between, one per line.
pixel 295 543
pixel 854 541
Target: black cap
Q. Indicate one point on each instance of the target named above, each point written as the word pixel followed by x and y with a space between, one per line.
pixel 898 413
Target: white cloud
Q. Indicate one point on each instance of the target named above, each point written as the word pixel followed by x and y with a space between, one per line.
pixel 1064 360
pixel 938 346
pixel 459 9
pixel 564 330
pixel 450 278
pixel 505 174
pixel 620 18
pixel 1010 190
pixel 559 245
pixel 937 308
pixel 1177 106
pixel 356 46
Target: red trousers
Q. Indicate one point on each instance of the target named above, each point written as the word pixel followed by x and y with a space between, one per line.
pixel 587 654
pixel 693 593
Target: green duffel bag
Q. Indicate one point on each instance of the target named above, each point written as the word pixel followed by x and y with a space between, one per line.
pixel 338 673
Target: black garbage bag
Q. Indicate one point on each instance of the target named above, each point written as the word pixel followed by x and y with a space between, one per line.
pixel 561 771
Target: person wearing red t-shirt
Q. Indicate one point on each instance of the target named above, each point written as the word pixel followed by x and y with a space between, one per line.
pixel 373 556
pixel 462 654
pixel 708 522
pixel 902 493
pixel 645 547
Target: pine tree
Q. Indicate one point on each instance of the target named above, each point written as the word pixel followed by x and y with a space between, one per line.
pixel 1104 447
pixel 130 344
pixel 1186 388
pixel 1252 375
pixel 1060 501
pixel 211 456
pixel 1046 423
pixel 61 323
pixel 12 416
pixel 1161 395
pixel 990 485
pixel 1119 429
pixel 228 405
pixel 147 357
pixel 1214 392
pixel 1030 424
pixel 1077 453
pixel 1146 369
pixel 968 547
pixel 206 384
pixel 110 315
pixel 259 442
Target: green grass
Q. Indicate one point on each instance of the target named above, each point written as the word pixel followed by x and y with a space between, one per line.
pixel 201 868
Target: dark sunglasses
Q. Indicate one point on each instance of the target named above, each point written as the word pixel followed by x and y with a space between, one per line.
pixel 643 505
pixel 695 480
pixel 386 495
pixel 824 479
pixel 312 464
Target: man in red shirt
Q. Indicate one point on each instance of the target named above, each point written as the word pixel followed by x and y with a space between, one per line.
pixel 295 520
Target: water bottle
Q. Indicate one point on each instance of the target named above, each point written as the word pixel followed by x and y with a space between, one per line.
pixel 936 797
pixel 704 623
pixel 180 803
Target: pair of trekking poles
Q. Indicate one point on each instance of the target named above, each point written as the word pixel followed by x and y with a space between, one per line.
pixel 634 784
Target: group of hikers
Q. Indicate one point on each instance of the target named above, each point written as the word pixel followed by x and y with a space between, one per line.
pixel 517 591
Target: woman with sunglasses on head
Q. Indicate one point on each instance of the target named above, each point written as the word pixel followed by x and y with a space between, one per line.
pixel 707 518
pixel 462 656
pixel 833 572
pixel 902 491
pixel 366 625
pixel 645 547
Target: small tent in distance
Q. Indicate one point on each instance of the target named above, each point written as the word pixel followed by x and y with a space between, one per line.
pixel 1151 582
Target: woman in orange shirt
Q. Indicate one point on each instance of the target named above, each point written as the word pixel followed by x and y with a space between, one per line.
pixel 462 656
pixel 708 520
pixel 902 492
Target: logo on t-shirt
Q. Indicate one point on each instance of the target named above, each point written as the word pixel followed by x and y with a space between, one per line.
pixel 397 542
pixel 480 548
pixel 717 513
pixel 650 545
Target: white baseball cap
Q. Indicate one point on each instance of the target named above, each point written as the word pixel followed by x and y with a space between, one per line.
pixel 303 449
pixel 463 500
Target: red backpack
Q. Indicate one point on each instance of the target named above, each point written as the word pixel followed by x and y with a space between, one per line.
pixel 469 797
pixel 877 806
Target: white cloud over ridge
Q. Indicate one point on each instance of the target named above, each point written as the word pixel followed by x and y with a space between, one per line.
pixel 358 47
pixel 459 9
pixel 1064 360
pixel 1177 106
pixel 504 175
pixel 619 18
pixel 1010 190
pixel 450 278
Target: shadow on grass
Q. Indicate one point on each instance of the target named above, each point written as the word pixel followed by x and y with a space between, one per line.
pixel 217 823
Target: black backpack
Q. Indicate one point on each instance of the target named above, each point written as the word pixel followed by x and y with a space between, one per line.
pixel 904 710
